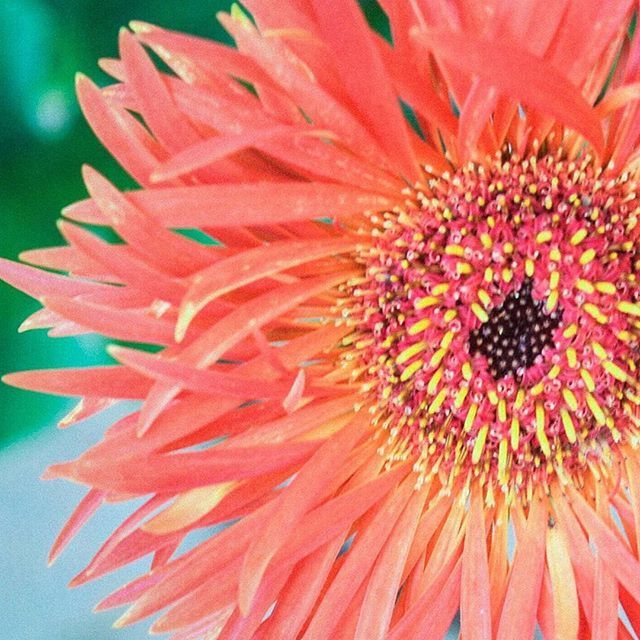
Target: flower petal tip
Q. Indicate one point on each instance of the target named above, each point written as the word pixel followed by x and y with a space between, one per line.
pixel 186 315
pixel 139 26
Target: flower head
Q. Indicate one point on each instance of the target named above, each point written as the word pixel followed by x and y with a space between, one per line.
pixel 399 364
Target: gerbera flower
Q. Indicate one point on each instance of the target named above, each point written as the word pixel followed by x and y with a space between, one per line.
pixel 399 365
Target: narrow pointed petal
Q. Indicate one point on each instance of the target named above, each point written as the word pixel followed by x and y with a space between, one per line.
pixel 563 586
pixel 241 204
pixel 298 498
pixel 119 131
pixel 165 250
pixel 518 617
pixel 357 565
pixel 249 266
pixel 102 382
pixel 619 559
pixel 168 125
pixel 37 283
pixel 522 76
pixel 85 509
pixel 237 325
pixel 383 586
pixel 475 605
pixel 366 81
pixel 134 325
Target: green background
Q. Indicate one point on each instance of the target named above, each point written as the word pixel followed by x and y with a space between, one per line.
pixel 43 142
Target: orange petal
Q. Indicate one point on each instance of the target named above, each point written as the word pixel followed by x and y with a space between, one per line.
pixel 134 325
pixel 124 137
pixel 566 614
pixel 165 250
pixel 249 266
pixel 518 618
pixel 85 509
pixel 522 76
pixel 619 560
pixel 239 205
pixel 299 497
pixel 357 564
pixel 385 581
pixel 475 604
pixel 100 382
pixel 157 108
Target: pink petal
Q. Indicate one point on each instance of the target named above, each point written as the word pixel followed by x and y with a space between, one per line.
pixel 249 266
pixel 296 500
pixel 85 509
pixel 345 30
pixel 521 75
pixel 241 204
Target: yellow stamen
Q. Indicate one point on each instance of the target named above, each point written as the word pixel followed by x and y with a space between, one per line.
pixel 435 381
pixel 587 256
pixel 478 446
pixel 515 433
pixel 519 399
pixel 541 419
pixel 419 326
pixel 479 312
pixel 529 267
pixel 569 427
pixel 454 250
pixel 471 416
pixel 606 287
pixel 502 460
pixel 588 380
pixel 427 301
pixel 484 297
pixel 552 300
pixel 629 308
pixel 410 370
pixel 502 410
pixel 614 370
pixel 585 285
pixel 411 351
pixel 570 399
pixel 596 410
pixel 578 237
pixel 437 401
pixel 441 288
pixel 445 343
pixel 437 357
pixel 461 396
pixel 486 240
pixel 599 350
pixel 544 236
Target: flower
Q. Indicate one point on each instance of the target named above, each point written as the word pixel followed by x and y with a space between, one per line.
pixel 399 365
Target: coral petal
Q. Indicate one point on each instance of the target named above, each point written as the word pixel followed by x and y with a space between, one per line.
pixel 475 605
pixel 518 617
pixel 619 559
pixel 563 586
pixel 241 204
pixel 85 509
pixel 522 76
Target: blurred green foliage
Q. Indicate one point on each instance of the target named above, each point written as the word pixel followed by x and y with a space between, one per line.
pixel 44 142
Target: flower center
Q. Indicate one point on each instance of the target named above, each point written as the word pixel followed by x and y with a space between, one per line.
pixel 515 334
pixel 497 321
